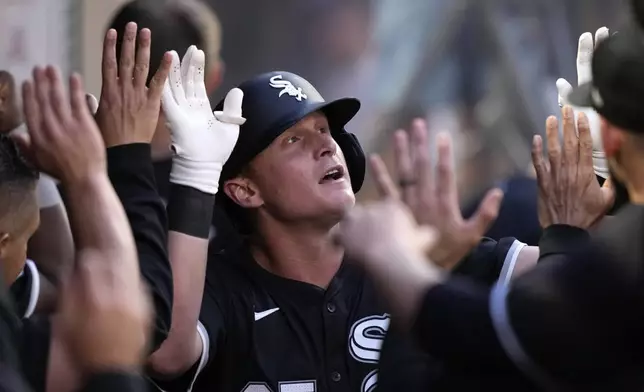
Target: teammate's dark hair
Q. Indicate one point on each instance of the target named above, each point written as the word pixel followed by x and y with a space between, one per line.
pixel 171 30
pixel 17 180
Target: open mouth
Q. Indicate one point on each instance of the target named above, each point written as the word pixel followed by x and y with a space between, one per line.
pixel 334 174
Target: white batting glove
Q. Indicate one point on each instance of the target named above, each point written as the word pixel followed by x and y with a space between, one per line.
pixel 584 75
pixel 202 141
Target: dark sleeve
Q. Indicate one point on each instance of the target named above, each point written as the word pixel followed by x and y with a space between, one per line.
pixel 403 365
pixel 568 317
pixel 490 260
pixel 110 382
pixel 34 351
pixel 131 173
pixel 11 381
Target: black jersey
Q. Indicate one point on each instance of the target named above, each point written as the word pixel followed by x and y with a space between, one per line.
pixel 267 333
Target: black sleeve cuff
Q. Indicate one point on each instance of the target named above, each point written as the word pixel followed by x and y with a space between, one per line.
pixel 129 157
pixel 558 239
pixel 115 381
pixel 190 211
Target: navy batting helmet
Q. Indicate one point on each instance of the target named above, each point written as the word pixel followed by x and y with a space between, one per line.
pixel 275 101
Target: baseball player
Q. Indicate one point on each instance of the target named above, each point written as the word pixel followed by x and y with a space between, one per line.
pixel 280 309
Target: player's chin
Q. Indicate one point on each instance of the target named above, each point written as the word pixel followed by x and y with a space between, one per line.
pixel 339 202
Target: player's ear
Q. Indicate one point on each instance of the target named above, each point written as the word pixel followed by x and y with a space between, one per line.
pixel 243 192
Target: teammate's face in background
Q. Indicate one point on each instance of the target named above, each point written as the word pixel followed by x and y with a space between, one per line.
pixel 303 174
pixel 16 228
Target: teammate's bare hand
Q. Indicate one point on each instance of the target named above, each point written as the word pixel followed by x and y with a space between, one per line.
pixel 433 199
pixel 105 313
pixel 63 139
pixel 568 189
pixel 372 230
pixel 128 111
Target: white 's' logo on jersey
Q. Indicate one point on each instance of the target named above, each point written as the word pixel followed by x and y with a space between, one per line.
pixel 365 342
pixel 287 88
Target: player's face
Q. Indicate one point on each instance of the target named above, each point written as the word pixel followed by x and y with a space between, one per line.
pixel 303 173
pixel 13 244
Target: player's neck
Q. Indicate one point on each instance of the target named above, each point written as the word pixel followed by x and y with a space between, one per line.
pixel 307 254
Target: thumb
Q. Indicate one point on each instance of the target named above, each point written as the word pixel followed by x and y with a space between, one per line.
pixel 92 103
pixel 487 212
pixel 563 90
pixel 169 104
pixel 232 113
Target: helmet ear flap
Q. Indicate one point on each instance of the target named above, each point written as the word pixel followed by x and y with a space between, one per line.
pixel 355 157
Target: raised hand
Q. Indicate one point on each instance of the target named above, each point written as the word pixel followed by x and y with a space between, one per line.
pixel 584 75
pixel 63 139
pixel 568 190
pixel 433 199
pixel 128 111
pixel 202 141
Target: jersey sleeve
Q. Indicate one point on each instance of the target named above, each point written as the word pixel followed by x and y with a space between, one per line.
pixel 491 260
pixel 131 173
pixel 26 290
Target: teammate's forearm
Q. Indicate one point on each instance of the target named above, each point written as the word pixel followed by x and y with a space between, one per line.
pixel 97 218
pixel 190 214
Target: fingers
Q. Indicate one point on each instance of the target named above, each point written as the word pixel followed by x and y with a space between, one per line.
pixel 563 90
pixel 176 83
pixel 584 58
pixel 128 49
pixel 384 183
pixel 109 65
pixel 185 64
pixel 570 140
pixel 199 59
pixel 232 110
pixel 487 212
pixel 92 103
pixel 554 147
pixel 57 95
pixel 446 183
pixel 79 99
pixel 31 110
pixel 585 141
pixel 43 87
pixel 142 65
pixel 404 167
pixel 158 82
pixel 538 161
pixel 600 35
pixel 189 79
pixel 420 152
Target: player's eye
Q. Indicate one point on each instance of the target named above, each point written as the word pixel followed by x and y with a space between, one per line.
pixel 292 139
pixel 324 130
